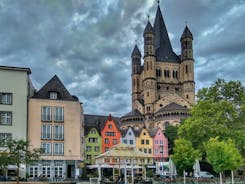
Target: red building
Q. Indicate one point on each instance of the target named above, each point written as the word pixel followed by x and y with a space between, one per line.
pixel 110 134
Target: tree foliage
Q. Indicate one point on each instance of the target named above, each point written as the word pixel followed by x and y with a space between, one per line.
pixel 18 152
pixel 223 155
pixel 220 111
pixel 184 155
pixel 171 134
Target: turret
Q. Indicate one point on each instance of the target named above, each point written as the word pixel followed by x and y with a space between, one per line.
pixel 187 65
pixel 136 71
pixel 149 84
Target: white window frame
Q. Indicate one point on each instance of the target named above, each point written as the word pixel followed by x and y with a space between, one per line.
pixel 33 171
pixel 96 148
pixel 46 170
pixel 5 118
pixel 46 133
pixel 53 95
pixel 59 114
pixel 58 149
pixel 58 169
pixel 46 113
pixel 4 137
pixel 6 98
pixel 58 132
pixel 47 148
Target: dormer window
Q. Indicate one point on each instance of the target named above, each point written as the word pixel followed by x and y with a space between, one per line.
pixel 53 95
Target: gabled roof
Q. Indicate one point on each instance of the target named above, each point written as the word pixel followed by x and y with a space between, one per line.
pixel 134 112
pixel 164 51
pixel 172 106
pixel 136 51
pixel 97 121
pixel 186 33
pixel 152 132
pixel 54 85
pixel 125 131
pixel 148 28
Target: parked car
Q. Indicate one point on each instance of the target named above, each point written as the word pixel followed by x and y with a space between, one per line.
pixel 203 174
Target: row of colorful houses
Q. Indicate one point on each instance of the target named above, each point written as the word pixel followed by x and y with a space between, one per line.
pixel 102 133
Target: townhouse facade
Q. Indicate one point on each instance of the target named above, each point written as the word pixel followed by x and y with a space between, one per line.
pixel 55 125
pixel 15 89
pixel 144 142
pixel 160 145
pixel 128 137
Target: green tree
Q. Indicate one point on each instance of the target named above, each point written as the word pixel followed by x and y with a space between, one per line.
pixel 220 111
pixel 184 155
pixel 20 153
pixel 171 134
pixel 223 155
pixel 4 161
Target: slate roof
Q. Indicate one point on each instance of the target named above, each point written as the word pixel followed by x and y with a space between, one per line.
pixel 134 112
pixel 54 85
pixel 141 101
pixel 152 132
pixel 136 51
pixel 97 121
pixel 186 33
pixel 172 106
pixel 164 51
pixel 148 28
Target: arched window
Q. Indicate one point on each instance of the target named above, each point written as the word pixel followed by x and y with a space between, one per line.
pixel 186 69
pixel 147 66
pixel 176 74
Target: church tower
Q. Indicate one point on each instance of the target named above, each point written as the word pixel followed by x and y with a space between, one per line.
pixel 135 76
pixel 187 66
pixel 149 82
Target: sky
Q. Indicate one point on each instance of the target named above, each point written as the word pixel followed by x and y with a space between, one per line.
pixel 88 43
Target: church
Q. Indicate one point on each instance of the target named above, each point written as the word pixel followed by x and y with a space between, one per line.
pixel 163 87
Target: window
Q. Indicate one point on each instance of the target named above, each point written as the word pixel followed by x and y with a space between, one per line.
pixel 145 150
pixel 106 149
pixel 149 151
pixel 46 170
pixel 5 118
pixel 147 141
pixel 89 157
pixel 46 146
pixel 53 95
pixel 114 141
pixel 131 141
pixel 186 69
pixel 58 148
pixel 125 141
pixel 4 137
pixel 156 151
pixel 142 142
pixel 161 142
pixel 129 133
pixel 6 98
pixel 58 132
pixel 88 148
pixel 106 141
pixel 93 131
pixel 33 171
pixel 94 140
pixel 156 141
pixel 46 113
pixel 110 126
pixel 58 114
pixel 58 169
pixel 46 131
pixel 110 133
pixel 97 148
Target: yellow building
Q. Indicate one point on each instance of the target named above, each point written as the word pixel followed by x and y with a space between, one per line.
pixel 163 85
pixel 144 142
pixel 55 123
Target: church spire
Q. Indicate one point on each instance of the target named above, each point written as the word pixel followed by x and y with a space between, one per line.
pixel 162 42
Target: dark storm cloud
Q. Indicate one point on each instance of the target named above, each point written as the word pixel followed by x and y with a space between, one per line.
pixel 88 43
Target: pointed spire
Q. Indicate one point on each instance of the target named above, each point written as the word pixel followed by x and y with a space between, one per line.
pixel 136 51
pixel 109 117
pixel 162 42
pixel 148 28
pixel 186 33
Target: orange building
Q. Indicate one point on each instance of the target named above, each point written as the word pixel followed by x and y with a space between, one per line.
pixel 110 134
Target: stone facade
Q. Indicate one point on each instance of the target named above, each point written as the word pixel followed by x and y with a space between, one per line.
pixel 164 80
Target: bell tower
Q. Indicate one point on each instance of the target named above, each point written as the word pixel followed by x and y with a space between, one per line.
pixel 149 82
pixel 187 66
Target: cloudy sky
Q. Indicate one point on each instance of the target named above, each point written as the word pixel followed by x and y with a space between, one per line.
pixel 88 43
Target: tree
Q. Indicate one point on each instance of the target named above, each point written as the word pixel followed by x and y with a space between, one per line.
pixel 19 153
pixel 171 134
pixel 184 155
pixel 4 161
pixel 223 155
pixel 220 111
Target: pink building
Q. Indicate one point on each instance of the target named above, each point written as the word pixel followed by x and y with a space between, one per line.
pixel 160 145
